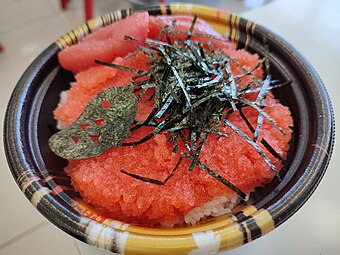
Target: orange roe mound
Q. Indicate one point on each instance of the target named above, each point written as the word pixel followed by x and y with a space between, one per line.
pixel 93 80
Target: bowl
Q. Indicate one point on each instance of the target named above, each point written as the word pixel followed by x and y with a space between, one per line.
pixel 39 173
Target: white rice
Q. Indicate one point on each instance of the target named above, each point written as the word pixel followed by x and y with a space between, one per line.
pixel 220 205
pixel 63 99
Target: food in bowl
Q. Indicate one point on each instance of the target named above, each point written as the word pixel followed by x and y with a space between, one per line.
pixel 167 123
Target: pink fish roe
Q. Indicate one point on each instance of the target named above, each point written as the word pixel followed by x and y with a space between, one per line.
pixel 107 43
pixel 101 183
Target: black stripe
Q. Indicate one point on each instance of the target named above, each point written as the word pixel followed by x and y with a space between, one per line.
pixel 71 37
pixel 72 217
pixel 249 34
pixel 244 233
pixel 48 200
pixel 56 178
pixel 156 10
pixel 242 26
pixel 110 18
pixel 88 28
pixel 240 216
pixel 168 10
pixel 241 41
pixel 62 38
pixel 230 27
pixel 32 188
pixel 255 231
pixel 75 36
pixel 124 13
pixel 103 20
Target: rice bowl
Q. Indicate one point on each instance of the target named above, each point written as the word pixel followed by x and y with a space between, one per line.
pixel 264 210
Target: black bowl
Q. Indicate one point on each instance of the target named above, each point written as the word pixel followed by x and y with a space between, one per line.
pixel 29 123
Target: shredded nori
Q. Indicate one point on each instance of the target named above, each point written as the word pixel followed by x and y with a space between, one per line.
pixel 193 90
pixel 154 181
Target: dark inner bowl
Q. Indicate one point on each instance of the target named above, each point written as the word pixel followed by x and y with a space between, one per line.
pixel 29 124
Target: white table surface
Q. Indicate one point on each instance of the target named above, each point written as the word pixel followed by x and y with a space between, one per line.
pixel 313 28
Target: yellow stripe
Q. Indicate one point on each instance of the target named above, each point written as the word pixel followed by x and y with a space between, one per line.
pixel 264 220
pixel 180 9
pixel 237 27
pixel 218 20
pixel 231 237
pixel 67 40
pixel 232 22
pixel 158 245
pixel 79 32
pixel 248 26
pixel 247 210
pixel 60 44
pixel 95 24
pixel 235 31
pixel 249 32
pixel 222 23
pixel 163 9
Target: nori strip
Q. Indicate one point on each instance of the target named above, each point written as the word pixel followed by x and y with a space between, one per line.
pixel 117 118
pixel 154 181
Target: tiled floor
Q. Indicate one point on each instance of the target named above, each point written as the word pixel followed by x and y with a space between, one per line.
pixel 26 28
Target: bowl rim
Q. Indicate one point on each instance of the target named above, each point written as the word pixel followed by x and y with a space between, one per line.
pixel 251 222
